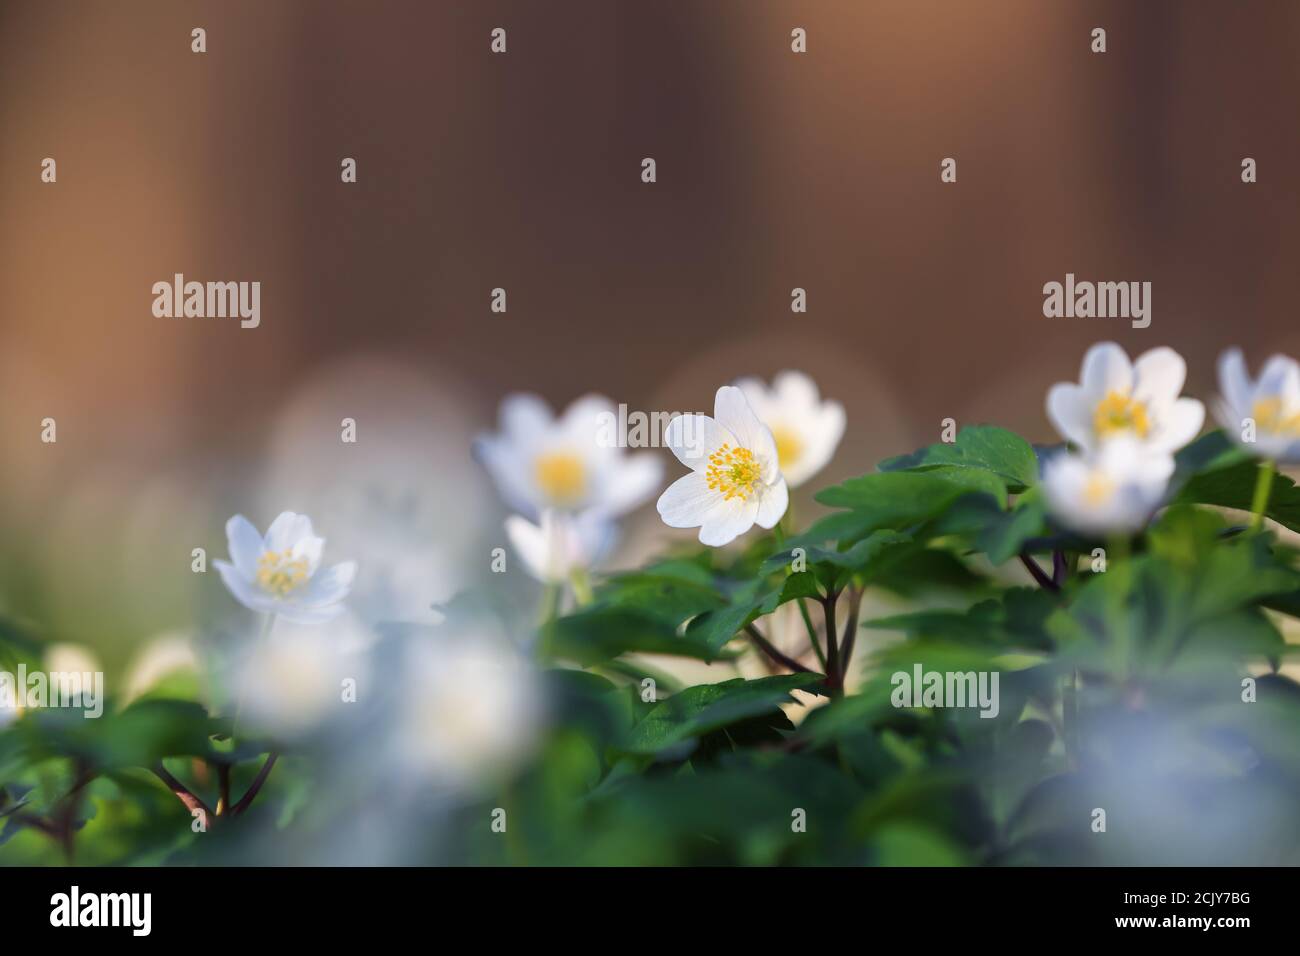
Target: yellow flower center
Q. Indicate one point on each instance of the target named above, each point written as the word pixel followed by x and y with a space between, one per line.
pixel 279 572
pixel 562 476
pixel 1098 489
pixel 789 446
pixel 733 472
pixel 1270 416
pixel 1120 413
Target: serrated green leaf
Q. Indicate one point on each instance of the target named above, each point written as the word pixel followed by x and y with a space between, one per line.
pixel 980 447
pixel 704 708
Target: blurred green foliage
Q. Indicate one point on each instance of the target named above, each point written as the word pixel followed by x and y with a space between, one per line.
pixel 1123 687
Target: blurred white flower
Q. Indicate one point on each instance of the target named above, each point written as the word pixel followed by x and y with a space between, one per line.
pixel 541 462
pixel 735 480
pixel 9 710
pixel 167 654
pixel 398 504
pixel 1115 489
pixel 68 658
pixel 471 710
pixel 281 573
pixel 1271 402
pixel 1118 398
pixel 561 544
pixel 806 429
pixel 292 680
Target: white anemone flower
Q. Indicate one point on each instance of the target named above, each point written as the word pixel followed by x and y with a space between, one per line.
pixel 561 545
pixel 735 480
pixel 471 710
pixel 292 681
pixel 1119 398
pixel 806 429
pixel 567 463
pixel 1115 489
pixel 1266 409
pixel 281 573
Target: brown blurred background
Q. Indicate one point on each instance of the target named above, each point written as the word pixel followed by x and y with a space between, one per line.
pixel 522 170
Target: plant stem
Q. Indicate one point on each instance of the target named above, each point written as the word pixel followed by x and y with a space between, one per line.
pixel 812 634
pixel 834 679
pixel 766 647
pixel 850 631
pixel 1037 573
pixel 581 586
pixel 256 785
pixel 1263 489
pixel 191 801
pixel 550 603
pixel 1060 567
pixel 223 795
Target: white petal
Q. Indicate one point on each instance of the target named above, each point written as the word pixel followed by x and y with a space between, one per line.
pixel 1237 388
pixel 512 474
pixel 1179 424
pixel 331 585
pixel 245 544
pixel 1229 418
pixel 687 501
pixel 525 418
pixel 771 506
pixel 310 548
pixel 826 428
pixel 309 613
pixel 1159 375
pixel 796 390
pixel 733 413
pixel 631 482
pixel 1070 410
pixel 692 438
pixel 242 589
pixel 756 391
pixel 586 418
pixel 287 530
pixel 530 544
pixel 728 520
pixel 1280 377
pixel 1106 368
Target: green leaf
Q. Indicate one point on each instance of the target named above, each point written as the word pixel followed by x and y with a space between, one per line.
pixel 998 532
pixel 854 558
pixel 1016 619
pixel 708 707
pixel 672 590
pixel 596 634
pixel 980 447
pixel 901 499
pixel 1234 487
pixel 750 601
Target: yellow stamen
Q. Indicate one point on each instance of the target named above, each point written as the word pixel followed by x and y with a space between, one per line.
pixel 562 476
pixel 1270 416
pixel 733 471
pixel 279 572
pixel 789 446
pixel 1120 413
